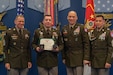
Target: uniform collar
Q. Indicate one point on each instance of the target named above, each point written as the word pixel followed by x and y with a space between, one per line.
pixel 19 29
pixel 100 29
pixel 48 28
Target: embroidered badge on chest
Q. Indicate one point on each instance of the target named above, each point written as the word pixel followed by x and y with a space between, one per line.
pixel 102 36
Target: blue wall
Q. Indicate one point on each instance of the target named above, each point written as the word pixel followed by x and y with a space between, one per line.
pixel 33 18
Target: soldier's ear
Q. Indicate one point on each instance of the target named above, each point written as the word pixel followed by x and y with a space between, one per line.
pixel 67 17
pixel 104 22
pixel 14 21
pixel 76 17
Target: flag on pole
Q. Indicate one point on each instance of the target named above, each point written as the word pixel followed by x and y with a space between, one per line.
pixel 20 7
pixel 50 8
pixel 56 3
pixel 90 15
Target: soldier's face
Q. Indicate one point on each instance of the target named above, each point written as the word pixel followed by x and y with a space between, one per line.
pixel 47 21
pixel 72 18
pixel 99 22
pixel 19 22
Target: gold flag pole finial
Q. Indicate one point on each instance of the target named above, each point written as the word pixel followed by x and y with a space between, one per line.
pixel 1 15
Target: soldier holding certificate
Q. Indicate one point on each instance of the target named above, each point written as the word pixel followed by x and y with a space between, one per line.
pixel 47 42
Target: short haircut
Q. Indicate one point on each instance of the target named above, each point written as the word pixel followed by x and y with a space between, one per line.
pixel 100 16
pixel 19 16
pixel 47 15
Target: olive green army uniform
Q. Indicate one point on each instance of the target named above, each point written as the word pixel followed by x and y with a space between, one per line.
pixel 17 48
pixel 101 49
pixel 47 59
pixel 76 46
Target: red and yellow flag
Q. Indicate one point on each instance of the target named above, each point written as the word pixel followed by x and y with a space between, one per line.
pixel 50 8
pixel 89 15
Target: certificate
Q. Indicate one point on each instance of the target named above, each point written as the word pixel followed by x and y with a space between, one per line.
pixel 48 43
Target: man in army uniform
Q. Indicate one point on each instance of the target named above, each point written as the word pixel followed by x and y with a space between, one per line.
pixel 101 48
pixel 17 48
pixel 47 53
pixel 76 46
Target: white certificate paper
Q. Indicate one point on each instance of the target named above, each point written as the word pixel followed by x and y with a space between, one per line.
pixel 48 43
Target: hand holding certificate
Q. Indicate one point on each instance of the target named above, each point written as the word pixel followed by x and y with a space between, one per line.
pixel 48 43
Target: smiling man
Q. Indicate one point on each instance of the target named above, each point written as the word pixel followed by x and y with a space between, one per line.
pixel 76 45
pixel 101 48
pixel 17 48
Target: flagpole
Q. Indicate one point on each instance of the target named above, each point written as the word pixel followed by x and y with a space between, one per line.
pixel 56 12
pixel 56 15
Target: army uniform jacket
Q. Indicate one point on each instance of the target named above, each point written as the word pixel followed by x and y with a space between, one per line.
pixel 101 48
pixel 76 45
pixel 17 48
pixel 47 59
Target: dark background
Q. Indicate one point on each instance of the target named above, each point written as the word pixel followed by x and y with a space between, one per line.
pixel 32 20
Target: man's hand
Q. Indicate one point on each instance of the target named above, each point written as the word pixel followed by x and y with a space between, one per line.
pixel 29 64
pixel 86 62
pixel 38 49
pixel 7 66
pixel 56 49
pixel 107 65
pixel 63 61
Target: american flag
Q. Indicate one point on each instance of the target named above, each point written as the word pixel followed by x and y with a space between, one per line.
pixel 20 7
pixel 101 5
pixel 104 5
